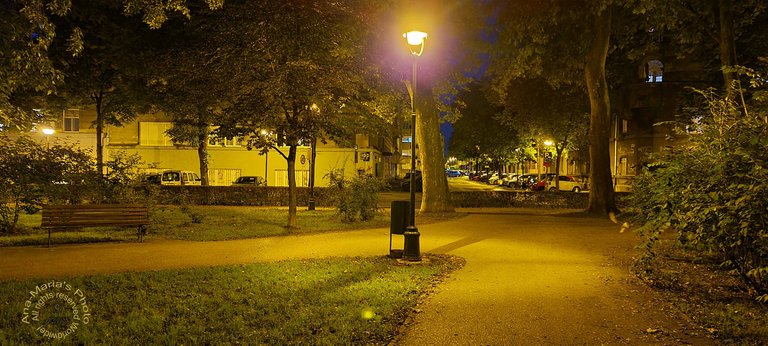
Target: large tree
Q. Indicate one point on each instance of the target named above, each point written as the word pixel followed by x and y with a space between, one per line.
pixel 479 132
pixel 529 107
pixel 285 57
pixel 29 32
pixel 717 34
pixel 565 43
pixel 109 71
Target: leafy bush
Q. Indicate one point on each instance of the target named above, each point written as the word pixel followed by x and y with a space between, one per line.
pixel 713 192
pixel 356 198
pixel 32 174
pixel 123 178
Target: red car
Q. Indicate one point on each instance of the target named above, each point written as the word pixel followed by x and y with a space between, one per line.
pixel 542 182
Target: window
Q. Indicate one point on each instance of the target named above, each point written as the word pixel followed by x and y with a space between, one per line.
pixel 71 120
pixel 225 142
pixel 153 134
pixel 407 139
pixel 654 71
pixel 624 126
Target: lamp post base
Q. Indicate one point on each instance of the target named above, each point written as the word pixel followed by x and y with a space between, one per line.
pixel 411 250
pixel 311 204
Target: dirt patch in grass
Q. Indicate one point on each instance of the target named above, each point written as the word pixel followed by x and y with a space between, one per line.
pixel 714 299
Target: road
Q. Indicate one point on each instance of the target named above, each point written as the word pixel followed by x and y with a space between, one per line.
pixel 454 184
pixel 464 184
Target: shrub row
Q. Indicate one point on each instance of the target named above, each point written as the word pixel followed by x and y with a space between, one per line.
pixel 522 199
pixel 278 196
pixel 240 195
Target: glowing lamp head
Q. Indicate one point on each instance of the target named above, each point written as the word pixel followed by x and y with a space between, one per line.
pixel 48 131
pixel 416 40
pixel 548 143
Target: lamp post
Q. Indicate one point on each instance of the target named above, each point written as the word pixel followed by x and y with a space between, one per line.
pixel 313 155
pixel 265 133
pixel 411 250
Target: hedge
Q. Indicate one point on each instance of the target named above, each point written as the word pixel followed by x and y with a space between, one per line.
pixel 278 196
pixel 241 195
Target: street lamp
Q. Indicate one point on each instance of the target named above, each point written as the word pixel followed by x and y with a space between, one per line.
pixel 265 133
pixel 411 250
pixel 313 155
pixel 47 131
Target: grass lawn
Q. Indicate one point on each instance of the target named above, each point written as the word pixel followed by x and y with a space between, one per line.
pixel 205 223
pixel 339 301
pixel 229 222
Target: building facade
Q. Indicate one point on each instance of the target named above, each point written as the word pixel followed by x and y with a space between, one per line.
pixel 228 159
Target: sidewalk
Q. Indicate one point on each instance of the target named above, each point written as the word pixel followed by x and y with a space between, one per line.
pixel 532 277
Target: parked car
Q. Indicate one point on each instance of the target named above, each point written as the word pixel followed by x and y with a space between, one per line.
pixel 567 183
pixel 494 176
pixel 525 181
pixel 179 177
pixel 249 180
pixel 496 179
pixel 452 173
pixel 406 185
pixel 541 181
pixel 155 178
pixel 477 176
pixel 510 180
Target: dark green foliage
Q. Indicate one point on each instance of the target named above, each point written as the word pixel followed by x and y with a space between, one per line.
pixel 32 174
pixel 122 181
pixel 713 192
pixel 236 195
pixel 357 197
pixel 513 199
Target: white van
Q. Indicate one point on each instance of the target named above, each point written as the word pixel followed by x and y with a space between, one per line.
pixel 178 177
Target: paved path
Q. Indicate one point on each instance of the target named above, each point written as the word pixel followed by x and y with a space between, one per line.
pixel 532 277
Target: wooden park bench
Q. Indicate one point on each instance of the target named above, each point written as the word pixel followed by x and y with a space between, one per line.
pixel 95 215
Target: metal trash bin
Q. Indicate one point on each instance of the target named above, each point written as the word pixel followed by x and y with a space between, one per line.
pixel 398 223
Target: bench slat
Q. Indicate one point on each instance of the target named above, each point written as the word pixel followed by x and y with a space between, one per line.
pixel 92 206
pixel 104 214
pixel 95 223
pixel 94 215
pixel 95 211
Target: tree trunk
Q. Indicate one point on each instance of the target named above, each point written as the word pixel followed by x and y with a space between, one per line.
pixel 99 136
pixel 601 194
pixel 559 151
pixel 727 46
pixel 313 156
pixel 292 220
pixel 202 155
pixel 435 197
